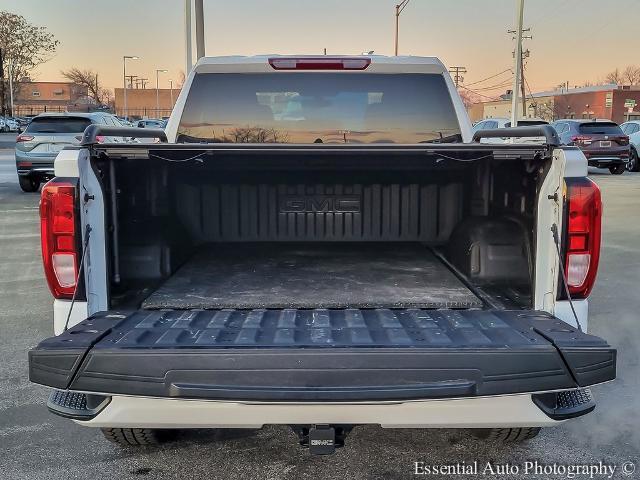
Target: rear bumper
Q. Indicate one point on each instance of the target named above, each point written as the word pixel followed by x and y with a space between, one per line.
pixel 34 164
pixel 603 160
pixel 482 412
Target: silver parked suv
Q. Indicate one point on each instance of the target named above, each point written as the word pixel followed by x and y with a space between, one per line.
pixel 47 134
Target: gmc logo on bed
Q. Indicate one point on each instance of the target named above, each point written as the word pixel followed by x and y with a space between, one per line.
pixel 320 203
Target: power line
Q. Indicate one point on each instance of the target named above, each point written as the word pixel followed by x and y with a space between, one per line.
pixel 489 78
pixel 457 74
pixel 477 93
pixel 495 87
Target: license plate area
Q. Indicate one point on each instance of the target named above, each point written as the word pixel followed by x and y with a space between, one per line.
pixel 605 143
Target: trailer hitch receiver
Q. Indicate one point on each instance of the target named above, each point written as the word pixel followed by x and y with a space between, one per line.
pixel 322 439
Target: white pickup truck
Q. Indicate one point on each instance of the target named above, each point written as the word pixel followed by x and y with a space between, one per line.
pixel 319 242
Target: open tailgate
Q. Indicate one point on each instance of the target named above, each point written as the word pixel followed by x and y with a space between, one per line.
pixel 321 354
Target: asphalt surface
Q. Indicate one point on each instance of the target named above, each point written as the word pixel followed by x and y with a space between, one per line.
pixel 37 445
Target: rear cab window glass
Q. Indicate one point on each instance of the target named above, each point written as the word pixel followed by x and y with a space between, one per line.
pixel 60 125
pixel 314 107
pixel 600 128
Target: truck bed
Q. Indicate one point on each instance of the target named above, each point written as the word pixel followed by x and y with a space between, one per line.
pixel 307 276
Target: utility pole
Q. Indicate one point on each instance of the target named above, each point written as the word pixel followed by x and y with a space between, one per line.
pixel 457 74
pixel 399 8
pixel 199 11
pixel 525 54
pixel 187 36
pixel 517 71
pixel 131 79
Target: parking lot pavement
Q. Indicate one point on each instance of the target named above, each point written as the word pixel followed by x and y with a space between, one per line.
pixel 7 140
pixel 8 167
pixel 37 445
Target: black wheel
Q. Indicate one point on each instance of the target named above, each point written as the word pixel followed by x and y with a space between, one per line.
pixel 634 163
pixel 28 184
pixel 137 437
pixel 618 169
pixel 507 434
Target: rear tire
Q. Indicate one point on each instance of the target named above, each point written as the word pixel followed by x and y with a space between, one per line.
pixel 137 437
pixel 634 161
pixel 507 434
pixel 29 184
pixel 618 169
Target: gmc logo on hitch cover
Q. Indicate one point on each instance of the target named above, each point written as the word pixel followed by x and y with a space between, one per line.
pixel 320 203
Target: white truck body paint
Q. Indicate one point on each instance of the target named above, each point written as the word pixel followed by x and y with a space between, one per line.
pixel 92 214
pixel 549 214
pixel 66 163
pixel 480 412
pixel 563 312
pixel 61 312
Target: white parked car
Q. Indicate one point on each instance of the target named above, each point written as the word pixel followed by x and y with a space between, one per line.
pixel 493 123
pixel 3 125
pixel 632 130
pixel 360 261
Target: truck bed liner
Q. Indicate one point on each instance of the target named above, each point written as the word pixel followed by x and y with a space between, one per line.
pixel 313 275
pixel 321 355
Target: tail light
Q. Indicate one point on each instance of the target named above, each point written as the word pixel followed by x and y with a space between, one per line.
pixel 319 63
pixel 581 140
pixel 24 138
pixel 100 138
pixel 59 236
pixel 584 206
pixel 623 140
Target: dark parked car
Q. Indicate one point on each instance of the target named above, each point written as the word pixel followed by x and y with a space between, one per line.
pixel 602 142
pixel 150 123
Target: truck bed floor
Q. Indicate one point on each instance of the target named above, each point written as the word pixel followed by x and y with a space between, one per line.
pixel 313 275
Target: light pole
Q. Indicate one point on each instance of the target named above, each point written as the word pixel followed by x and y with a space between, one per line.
pixel 199 13
pixel 399 8
pixel 171 92
pixel 124 81
pixel 158 91
pixel 188 35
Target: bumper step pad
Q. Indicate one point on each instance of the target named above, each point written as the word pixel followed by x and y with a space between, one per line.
pixel 321 354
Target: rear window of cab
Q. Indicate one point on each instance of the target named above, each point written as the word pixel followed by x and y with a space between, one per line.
pixel 319 107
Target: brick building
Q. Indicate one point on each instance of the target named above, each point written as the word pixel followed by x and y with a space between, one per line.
pixel 141 103
pixel 603 101
pixel 33 98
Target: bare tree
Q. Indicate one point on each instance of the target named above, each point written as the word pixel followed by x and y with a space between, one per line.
pixel 24 45
pixel 468 98
pixel 614 77
pixel 631 75
pixel 256 135
pixel 89 79
pixel 181 79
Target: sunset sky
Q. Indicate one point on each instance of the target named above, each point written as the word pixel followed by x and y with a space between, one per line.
pixel 573 40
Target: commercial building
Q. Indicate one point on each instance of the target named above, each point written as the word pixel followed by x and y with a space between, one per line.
pixel 612 102
pixel 32 98
pixel 141 102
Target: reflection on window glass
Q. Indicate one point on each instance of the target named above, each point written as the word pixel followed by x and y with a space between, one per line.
pixel 319 108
